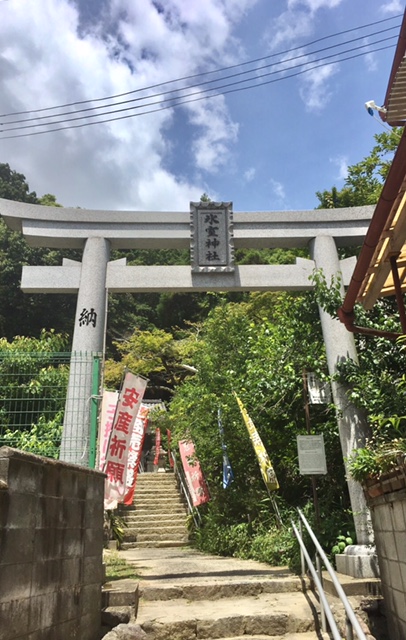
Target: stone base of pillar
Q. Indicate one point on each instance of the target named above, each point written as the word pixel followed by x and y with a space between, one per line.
pixel 358 561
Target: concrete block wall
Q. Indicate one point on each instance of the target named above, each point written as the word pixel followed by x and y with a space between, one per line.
pixel 51 545
pixel 388 513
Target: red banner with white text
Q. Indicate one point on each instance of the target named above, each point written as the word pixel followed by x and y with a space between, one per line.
pixel 115 466
pixel 134 456
pixel 108 409
pixel 198 489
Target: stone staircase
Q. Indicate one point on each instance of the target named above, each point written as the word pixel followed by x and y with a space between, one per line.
pixel 183 594
pixel 243 600
pixel 157 517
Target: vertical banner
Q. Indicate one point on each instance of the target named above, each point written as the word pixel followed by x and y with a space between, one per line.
pixel 115 466
pixel 134 454
pixel 228 475
pixel 194 475
pixel 108 409
pixel 169 436
pixel 157 445
pixel 267 471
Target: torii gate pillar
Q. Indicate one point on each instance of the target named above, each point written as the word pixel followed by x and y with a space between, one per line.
pixel 88 340
pixel 352 424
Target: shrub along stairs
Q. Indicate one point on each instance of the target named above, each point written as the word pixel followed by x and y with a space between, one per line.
pixel 157 517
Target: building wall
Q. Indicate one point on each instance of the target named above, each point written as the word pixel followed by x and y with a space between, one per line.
pixel 51 544
pixel 388 513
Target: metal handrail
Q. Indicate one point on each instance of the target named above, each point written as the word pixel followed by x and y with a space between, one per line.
pixel 352 622
pixel 193 512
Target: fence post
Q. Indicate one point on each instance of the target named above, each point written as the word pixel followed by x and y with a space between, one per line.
pixel 94 411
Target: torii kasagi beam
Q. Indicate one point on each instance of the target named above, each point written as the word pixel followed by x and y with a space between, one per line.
pixel 98 232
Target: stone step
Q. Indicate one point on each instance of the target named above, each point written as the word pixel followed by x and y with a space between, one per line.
pixel 135 535
pixel 168 507
pixel 266 614
pixel 154 485
pixel 225 589
pixel 171 527
pixel 153 545
pixel 153 499
pixel 150 494
pixel 155 478
pixel 155 512
pixel 162 502
pixel 308 635
pixel 156 520
pixel 145 501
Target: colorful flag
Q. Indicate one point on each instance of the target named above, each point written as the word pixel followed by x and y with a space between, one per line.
pixel 157 445
pixel 169 435
pixel 108 409
pixel 115 466
pixel 198 489
pixel 267 470
pixel 228 475
pixel 134 454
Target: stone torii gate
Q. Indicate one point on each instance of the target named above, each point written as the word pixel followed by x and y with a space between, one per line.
pixel 98 232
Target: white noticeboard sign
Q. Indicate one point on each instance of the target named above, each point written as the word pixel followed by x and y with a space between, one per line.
pixel 312 455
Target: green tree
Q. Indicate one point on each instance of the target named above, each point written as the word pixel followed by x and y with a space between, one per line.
pixel 258 349
pixel 365 179
pixel 22 313
pixel 33 381
pixel 13 186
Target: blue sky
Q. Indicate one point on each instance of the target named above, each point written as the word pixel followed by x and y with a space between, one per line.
pixel 270 147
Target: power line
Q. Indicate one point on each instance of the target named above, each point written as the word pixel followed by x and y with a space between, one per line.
pixel 206 73
pixel 206 82
pixel 196 99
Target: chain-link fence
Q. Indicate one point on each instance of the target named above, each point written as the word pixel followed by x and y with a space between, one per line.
pixel 33 408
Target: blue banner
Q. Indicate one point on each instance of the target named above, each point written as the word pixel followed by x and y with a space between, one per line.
pixel 228 475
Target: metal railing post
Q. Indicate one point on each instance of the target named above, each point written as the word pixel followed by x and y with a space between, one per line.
pixel 94 411
pixel 354 623
pixel 322 611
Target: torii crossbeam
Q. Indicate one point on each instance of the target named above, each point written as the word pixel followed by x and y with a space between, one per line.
pixel 98 232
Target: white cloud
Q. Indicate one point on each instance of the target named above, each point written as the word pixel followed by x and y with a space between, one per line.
pixel 278 189
pixel 314 5
pixel 51 57
pixel 249 174
pixel 341 163
pixel 314 89
pixel 292 26
pixel 215 132
pixel 395 6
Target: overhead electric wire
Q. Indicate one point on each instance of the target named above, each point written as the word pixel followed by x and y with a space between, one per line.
pixel 205 73
pixel 204 97
pixel 206 82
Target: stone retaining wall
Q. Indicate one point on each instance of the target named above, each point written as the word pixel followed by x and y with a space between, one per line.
pixel 388 512
pixel 51 545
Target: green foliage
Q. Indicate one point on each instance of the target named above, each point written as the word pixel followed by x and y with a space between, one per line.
pixel 117 568
pixel 340 544
pixel 22 313
pixel 33 382
pixel 376 458
pixel 43 439
pixel 365 179
pixel 328 297
pixel 114 526
pixel 155 354
pixel 13 186
pixel 258 349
